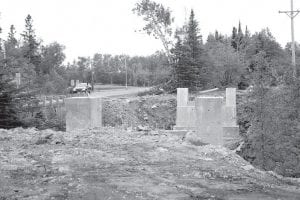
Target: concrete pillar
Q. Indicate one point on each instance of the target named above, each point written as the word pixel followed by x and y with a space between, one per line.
pixel 229 110
pixel 185 114
pixel 18 79
pixel 77 82
pixel 72 83
pixel 209 119
pixel 230 96
pixel 229 116
pixel 182 96
pixel 83 113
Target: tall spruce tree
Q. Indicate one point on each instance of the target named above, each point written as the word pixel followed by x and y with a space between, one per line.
pixel 239 38
pixel 31 44
pixel 233 38
pixel 11 40
pixel 189 56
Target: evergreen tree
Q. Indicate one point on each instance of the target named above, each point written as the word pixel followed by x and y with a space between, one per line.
pixel 233 38
pixel 1 43
pixel 11 40
pixel 183 72
pixel 8 105
pixel 16 62
pixel 189 56
pixel 239 38
pixel 31 45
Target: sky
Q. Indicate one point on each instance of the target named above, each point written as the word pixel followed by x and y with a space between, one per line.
pixel 86 27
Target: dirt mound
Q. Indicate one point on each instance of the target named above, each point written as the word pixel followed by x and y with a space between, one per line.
pixel 154 112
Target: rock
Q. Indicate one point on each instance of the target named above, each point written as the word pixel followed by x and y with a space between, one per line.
pixel 248 167
pixel 142 128
pixel 44 139
pixel 192 138
pixel 154 106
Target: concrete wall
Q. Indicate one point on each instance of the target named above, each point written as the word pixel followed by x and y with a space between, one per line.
pixel 213 118
pixel 83 113
pixel 186 116
pixel 209 121
pixel 185 113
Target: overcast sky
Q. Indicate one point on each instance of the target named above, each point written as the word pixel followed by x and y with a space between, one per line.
pixel 86 27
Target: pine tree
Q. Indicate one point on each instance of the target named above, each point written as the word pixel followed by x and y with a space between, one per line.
pixel 239 38
pixel 189 56
pixel 11 40
pixel 233 38
pixel 182 73
pixel 31 45
pixel 8 106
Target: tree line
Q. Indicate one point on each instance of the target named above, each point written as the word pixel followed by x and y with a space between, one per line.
pixel 221 60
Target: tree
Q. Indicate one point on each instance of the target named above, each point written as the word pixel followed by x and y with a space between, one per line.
pixel 265 41
pixel 190 64
pixel 272 141
pixel 15 60
pixel 8 107
pixel 234 38
pixel 31 45
pixel 239 38
pixel 52 57
pixel 274 54
pixel 158 22
pixel 11 40
pixel 228 65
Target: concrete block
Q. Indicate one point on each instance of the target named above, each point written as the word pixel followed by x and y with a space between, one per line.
pixel 209 119
pixel 230 96
pixel 186 116
pixel 182 96
pixel 229 116
pixel 72 83
pixel 83 113
pixel 77 82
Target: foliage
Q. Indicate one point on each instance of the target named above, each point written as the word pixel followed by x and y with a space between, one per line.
pixel 272 141
pixel 228 66
pixel 8 107
pixel 52 57
pixel 158 22
pixel 31 44
pixel 109 69
pixel 190 65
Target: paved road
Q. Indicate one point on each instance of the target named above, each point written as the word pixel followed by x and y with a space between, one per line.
pixel 119 92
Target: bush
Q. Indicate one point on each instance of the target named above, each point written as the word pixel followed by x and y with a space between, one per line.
pixel 273 138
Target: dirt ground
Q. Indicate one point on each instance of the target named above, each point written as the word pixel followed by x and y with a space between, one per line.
pixel 117 164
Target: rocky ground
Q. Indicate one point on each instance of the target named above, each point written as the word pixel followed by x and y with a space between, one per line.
pixel 118 164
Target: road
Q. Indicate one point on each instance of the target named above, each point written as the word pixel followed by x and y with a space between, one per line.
pixel 119 92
